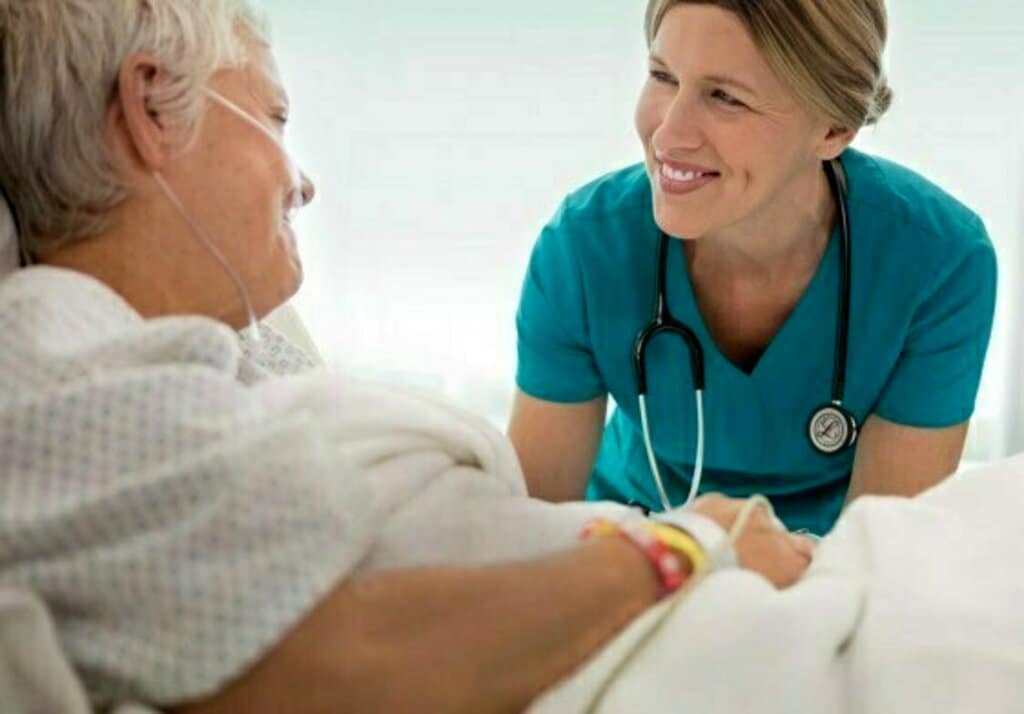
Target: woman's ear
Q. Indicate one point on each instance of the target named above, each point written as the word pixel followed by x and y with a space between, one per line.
pixel 141 129
pixel 835 142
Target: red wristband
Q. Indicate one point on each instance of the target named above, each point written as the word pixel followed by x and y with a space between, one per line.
pixel 667 564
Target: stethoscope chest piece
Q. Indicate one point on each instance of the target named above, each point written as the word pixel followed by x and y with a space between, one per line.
pixel 832 429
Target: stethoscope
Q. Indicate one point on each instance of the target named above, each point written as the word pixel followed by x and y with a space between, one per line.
pixel 832 429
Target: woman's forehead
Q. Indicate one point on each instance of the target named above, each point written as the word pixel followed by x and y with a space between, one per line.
pixel 711 41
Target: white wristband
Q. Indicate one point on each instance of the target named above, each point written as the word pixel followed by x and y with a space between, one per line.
pixel 711 536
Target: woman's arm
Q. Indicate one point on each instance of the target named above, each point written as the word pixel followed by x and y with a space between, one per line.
pixel 557 444
pixel 898 460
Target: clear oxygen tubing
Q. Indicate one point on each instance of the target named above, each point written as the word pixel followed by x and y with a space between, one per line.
pixel 698 466
pixel 252 331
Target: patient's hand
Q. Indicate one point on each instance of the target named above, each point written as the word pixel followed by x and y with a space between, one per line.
pixel 775 553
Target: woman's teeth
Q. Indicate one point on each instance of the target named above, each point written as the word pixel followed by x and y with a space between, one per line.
pixel 677 175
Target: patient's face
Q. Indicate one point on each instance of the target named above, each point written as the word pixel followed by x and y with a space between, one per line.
pixel 240 187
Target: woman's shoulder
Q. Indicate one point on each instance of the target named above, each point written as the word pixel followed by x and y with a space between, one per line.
pixel 602 222
pixel 926 216
pixel 915 239
pixel 625 192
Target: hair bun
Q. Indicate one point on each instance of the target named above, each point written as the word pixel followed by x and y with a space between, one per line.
pixel 881 103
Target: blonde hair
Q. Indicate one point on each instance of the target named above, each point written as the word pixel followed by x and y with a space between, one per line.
pixel 59 65
pixel 828 52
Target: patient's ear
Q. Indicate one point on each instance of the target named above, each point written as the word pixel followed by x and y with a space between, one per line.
pixel 140 130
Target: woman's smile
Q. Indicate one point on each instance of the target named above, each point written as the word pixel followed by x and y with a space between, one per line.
pixel 680 179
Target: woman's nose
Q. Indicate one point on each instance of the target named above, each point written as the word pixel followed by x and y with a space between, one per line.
pixel 680 125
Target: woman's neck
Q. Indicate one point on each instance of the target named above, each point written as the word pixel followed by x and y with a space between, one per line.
pixel 787 235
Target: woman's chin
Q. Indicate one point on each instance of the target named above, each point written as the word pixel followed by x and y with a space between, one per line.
pixel 679 226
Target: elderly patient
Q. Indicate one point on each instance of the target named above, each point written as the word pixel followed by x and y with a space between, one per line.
pixel 201 534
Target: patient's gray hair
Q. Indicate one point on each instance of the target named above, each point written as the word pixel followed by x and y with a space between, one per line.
pixel 59 65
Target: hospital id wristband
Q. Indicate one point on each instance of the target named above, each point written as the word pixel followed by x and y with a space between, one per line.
pixel 684 543
pixel 668 565
pixel 708 534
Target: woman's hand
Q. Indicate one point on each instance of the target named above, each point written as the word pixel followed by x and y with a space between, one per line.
pixel 764 546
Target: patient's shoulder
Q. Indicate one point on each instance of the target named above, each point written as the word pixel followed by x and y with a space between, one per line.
pixel 58 327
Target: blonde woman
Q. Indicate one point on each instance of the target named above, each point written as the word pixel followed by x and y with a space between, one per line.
pixel 836 306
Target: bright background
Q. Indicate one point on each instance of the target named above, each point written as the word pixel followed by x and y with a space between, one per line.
pixel 442 136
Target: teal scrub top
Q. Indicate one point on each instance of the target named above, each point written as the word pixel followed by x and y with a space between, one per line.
pixel 922 303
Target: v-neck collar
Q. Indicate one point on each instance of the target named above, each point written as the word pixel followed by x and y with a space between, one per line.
pixel 800 320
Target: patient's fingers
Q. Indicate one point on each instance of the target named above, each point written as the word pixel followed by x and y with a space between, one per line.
pixel 780 556
pixel 804 546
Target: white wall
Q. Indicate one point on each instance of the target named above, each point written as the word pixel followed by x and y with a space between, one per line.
pixel 956 68
pixel 442 135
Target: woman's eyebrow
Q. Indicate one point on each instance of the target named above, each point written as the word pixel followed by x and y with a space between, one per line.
pixel 730 81
pixel 710 78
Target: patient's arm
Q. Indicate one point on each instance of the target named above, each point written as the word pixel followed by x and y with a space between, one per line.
pixel 898 460
pixel 441 640
pixel 474 639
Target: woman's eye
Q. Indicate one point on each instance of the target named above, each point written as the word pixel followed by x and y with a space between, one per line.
pixel 664 77
pixel 727 99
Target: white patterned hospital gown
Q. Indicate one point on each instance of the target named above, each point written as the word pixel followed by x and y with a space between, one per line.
pixel 174 528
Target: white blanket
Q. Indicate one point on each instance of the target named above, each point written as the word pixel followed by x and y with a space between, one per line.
pixel 912 606
pixel 34 676
pixel 178 512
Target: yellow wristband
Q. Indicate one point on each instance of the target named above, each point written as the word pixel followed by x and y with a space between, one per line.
pixel 682 542
pixel 601 528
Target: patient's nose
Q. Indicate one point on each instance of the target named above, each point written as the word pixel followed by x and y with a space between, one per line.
pixel 308 189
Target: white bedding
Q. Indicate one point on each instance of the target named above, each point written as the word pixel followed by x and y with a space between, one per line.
pixel 178 514
pixel 912 606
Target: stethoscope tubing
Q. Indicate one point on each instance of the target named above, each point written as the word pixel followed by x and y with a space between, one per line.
pixel 665 323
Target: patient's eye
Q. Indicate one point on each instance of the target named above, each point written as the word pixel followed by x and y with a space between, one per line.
pixel 281 117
